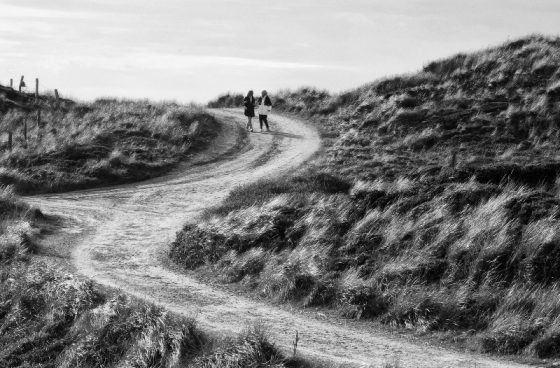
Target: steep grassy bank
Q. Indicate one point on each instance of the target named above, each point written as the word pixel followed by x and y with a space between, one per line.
pixel 96 144
pixel 435 208
pixel 48 319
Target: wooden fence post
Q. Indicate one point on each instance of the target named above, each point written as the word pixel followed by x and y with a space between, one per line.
pixel 38 107
pixel 12 83
pixel 56 96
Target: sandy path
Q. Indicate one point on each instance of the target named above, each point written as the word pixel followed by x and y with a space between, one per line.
pixel 118 234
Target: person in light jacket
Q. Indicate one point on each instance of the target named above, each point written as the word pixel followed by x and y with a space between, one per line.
pixel 265 107
pixel 249 102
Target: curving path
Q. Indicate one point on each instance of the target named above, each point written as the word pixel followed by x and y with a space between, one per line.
pixel 116 236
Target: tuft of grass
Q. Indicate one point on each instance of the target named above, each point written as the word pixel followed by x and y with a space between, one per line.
pixel 259 192
pixel 251 348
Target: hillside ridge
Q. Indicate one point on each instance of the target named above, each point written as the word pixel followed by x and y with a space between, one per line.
pixel 435 208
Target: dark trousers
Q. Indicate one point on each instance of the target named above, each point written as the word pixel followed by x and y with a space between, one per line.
pixel 263 119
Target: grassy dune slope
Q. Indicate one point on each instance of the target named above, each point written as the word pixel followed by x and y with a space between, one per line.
pixel 387 226
pixel 101 143
pixel 48 319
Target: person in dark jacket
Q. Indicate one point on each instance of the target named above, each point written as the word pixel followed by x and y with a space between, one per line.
pixel 265 107
pixel 249 102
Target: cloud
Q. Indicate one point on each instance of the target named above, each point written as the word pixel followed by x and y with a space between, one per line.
pixel 8 43
pixel 153 61
pixel 19 12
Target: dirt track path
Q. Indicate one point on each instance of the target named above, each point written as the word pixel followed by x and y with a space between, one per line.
pixel 117 236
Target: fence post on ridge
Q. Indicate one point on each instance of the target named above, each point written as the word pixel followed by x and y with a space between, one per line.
pixel 38 106
pixel 12 83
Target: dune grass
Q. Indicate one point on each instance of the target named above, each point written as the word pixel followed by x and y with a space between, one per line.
pixel 50 319
pixel 477 259
pixel 408 236
pixel 101 143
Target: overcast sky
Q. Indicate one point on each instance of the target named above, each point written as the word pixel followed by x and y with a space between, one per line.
pixel 194 50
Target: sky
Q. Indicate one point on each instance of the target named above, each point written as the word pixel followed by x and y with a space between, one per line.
pixel 188 50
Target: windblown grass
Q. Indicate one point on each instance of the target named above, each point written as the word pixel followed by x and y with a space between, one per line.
pixel 49 319
pixel 102 143
pixel 412 238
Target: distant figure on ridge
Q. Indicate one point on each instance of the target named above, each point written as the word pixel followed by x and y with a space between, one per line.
pixel 249 102
pixel 265 106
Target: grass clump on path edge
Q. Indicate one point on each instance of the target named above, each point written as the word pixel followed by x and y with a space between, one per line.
pixel 49 319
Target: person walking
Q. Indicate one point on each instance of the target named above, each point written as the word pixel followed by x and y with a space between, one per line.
pixel 249 102
pixel 265 107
